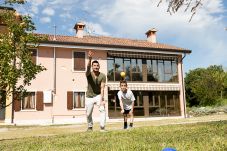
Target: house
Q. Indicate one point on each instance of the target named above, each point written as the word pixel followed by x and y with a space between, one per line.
pixel 154 72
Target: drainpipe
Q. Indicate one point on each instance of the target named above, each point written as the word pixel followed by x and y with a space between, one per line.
pixel 54 76
pixel 182 79
pixel 54 84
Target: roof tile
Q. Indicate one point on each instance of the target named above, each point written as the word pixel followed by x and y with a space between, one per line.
pixel 111 42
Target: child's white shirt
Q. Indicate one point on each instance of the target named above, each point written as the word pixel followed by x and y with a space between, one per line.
pixel 127 99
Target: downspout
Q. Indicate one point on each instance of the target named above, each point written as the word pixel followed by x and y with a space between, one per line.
pixel 54 76
pixel 182 79
pixel 54 84
pixel 54 61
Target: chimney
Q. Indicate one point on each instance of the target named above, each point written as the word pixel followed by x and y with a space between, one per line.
pixel 3 25
pixel 79 27
pixel 151 35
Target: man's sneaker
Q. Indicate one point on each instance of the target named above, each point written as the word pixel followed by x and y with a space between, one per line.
pixel 89 129
pixel 102 129
pixel 130 127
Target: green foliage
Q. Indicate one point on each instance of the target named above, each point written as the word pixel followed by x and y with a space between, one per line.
pixel 221 102
pixel 11 2
pixel 189 137
pixel 201 111
pixel 16 66
pixel 205 86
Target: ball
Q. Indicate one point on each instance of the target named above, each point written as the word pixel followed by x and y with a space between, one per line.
pixel 122 74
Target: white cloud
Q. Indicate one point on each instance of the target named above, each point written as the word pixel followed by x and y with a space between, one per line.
pixel 204 34
pixel 66 15
pixel 138 16
pixel 34 9
pixel 66 2
pixel 37 2
pixel 45 19
pixel 48 11
pixel 132 18
pixel 95 29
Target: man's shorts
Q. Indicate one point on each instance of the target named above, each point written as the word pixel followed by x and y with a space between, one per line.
pixel 126 111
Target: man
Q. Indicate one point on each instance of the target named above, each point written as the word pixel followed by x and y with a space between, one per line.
pixel 95 92
pixel 126 99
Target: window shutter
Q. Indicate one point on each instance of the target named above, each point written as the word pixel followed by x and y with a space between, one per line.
pixel 34 55
pixel 39 101
pixel 79 61
pixel 69 100
pixel 17 102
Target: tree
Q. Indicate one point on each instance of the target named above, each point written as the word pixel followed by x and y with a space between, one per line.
pixel 16 66
pixel 204 86
pixel 175 5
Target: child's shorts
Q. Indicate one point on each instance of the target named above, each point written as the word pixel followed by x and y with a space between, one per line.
pixel 126 111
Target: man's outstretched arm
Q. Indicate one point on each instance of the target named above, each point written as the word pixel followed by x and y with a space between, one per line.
pixel 90 54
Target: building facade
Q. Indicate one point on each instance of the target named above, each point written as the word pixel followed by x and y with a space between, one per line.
pixel 154 73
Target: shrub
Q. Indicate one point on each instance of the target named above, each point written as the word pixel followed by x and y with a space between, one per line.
pixel 201 111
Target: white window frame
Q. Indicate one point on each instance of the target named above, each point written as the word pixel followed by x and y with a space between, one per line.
pixel 25 110
pixel 82 108
pixel 84 59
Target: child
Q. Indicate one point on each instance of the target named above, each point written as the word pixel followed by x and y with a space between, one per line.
pixel 126 99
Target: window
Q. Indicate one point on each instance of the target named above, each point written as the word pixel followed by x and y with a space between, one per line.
pixel 154 100
pixel 137 70
pixel 118 68
pixel 127 68
pixel 28 102
pixel 79 61
pixel 156 70
pixel 110 68
pixel 79 100
pixel 139 98
pixel 152 70
pixel 175 72
pixel 2 98
pixel 167 71
pixel 34 55
pixel 160 71
pixel 164 103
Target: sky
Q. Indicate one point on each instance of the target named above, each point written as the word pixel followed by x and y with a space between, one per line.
pixel 205 35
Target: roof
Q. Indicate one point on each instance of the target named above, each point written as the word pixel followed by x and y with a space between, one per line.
pixel 103 41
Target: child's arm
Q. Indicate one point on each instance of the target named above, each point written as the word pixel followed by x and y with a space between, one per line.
pixel 133 100
pixel 121 104
pixel 132 107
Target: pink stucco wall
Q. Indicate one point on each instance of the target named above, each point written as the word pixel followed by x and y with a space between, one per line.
pixel 66 80
pixel 182 90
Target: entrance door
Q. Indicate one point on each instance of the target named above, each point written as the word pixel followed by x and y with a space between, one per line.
pixel 113 105
pixel 2 103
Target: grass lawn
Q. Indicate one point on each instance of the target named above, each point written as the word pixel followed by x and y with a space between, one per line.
pixel 211 136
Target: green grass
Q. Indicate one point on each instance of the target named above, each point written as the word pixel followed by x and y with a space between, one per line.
pixel 201 136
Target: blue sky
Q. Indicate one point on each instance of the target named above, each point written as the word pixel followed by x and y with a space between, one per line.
pixel 204 35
